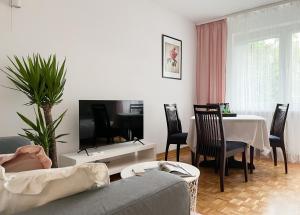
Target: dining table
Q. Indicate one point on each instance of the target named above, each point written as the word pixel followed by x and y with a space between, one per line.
pixel 250 129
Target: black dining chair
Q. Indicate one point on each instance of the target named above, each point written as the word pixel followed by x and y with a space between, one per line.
pixel 175 134
pixel 103 125
pixel 276 137
pixel 277 132
pixel 211 141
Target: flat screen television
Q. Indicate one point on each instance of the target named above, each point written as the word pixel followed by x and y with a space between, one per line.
pixel 103 122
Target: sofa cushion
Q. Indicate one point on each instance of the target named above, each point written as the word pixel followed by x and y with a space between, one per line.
pixel 155 193
pixel 179 138
pixel 233 145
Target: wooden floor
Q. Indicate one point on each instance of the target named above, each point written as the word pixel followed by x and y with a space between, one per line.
pixel 268 191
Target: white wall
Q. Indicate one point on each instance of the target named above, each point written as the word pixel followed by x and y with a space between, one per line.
pixel 113 51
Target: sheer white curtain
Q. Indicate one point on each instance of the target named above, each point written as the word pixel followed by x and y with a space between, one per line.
pixel 263 66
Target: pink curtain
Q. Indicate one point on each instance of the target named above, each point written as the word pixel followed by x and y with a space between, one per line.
pixel 211 62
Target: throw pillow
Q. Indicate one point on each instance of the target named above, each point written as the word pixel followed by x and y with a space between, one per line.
pixel 25 158
pixel 24 190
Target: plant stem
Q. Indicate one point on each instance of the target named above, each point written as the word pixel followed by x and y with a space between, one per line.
pixel 52 146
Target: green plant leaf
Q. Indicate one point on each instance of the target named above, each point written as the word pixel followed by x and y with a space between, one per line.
pixel 27 121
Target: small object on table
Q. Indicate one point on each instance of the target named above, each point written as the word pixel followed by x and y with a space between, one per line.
pixel 138 171
pixel 226 110
pixel 175 169
pixel 229 115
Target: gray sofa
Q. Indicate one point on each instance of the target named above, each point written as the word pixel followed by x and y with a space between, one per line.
pixel 156 193
pixel 9 145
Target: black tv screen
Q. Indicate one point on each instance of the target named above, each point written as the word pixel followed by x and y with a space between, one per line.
pixel 103 122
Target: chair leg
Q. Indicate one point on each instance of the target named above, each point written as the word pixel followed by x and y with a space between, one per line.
pixel 222 172
pixel 245 164
pixel 226 168
pixel 251 159
pixel 285 159
pixel 166 153
pixel 197 159
pixel 178 152
pixel 217 163
pixel 193 158
pixel 274 156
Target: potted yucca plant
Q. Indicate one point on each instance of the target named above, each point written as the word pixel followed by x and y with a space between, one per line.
pixel 42 81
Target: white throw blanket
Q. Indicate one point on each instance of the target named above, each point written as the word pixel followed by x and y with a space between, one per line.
pixel 24 190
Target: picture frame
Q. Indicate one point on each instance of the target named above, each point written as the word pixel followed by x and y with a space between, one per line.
pixel 171 57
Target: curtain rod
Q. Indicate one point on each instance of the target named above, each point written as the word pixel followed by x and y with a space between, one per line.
pixel 248 10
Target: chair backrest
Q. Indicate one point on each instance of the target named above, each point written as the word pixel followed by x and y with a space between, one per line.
pixel 210 132
pixel 173 121
pixel 101 118
pixel 136 108
pixel 279 119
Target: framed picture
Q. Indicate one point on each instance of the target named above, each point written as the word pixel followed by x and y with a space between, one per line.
pixel 171 57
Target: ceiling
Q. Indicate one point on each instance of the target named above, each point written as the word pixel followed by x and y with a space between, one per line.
pixel 200 11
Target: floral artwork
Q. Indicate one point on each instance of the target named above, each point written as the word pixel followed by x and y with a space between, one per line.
pixel 172 58
pixel 172 62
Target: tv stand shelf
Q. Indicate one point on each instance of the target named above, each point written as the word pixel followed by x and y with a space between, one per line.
pixel 116 156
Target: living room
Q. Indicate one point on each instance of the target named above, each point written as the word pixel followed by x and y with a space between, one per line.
pixel 181 59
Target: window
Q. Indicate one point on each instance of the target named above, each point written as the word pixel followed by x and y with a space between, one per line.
pixel 263 65
pixel 265 70
pixel 295 69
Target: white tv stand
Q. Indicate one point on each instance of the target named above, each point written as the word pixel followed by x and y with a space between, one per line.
pixel 116 156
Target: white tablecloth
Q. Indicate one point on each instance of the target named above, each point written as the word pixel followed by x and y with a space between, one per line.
pixel 250 129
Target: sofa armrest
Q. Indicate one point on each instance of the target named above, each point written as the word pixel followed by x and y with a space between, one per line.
pixel 9 145
pixel 156 193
